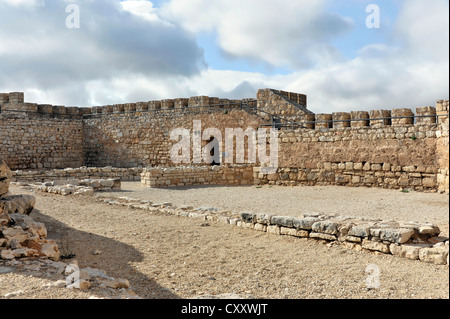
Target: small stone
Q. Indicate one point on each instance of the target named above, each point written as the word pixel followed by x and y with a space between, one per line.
pixel 438 255
pixel 408 251
pixel 322 236
pixel 7 254
pixel 13 294
pixel 80 284
pixel 248 217
pixel 118 283
pixel 58 284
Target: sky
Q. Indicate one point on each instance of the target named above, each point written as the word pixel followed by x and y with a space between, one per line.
pixel 100 52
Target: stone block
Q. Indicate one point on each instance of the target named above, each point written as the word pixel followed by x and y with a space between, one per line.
pixel 374 245
pixel 379 118
pixel 248 217
pixel 409 251
pixel 434 255
pixel 274 229
pixel 325 227
pixel 402 117
pixel 322 236
pixel 263 218
pixel 324 121
pixel 341 119
pixel 359 119
pixel 304 223
pixel 359 231
pixel 426 115
pixel 393 235
pixel 284 221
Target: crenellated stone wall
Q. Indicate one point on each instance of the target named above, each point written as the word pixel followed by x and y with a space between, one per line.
pixel 398 148
pixel 403 156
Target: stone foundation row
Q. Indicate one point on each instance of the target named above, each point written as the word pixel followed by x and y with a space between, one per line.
pixel 197 175
pixel 383 175
pixel 416 241
pixel 76 187
pixel 411 240
pixel 82 173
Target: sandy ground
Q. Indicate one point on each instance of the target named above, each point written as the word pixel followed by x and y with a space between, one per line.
pixel 176 257
pixel 291 201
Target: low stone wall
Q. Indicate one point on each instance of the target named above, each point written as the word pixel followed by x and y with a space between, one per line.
pixel 416 241
pixel 411 240
pixel 82 173
pixel 197 175
pixel 75 186
pixel 384 175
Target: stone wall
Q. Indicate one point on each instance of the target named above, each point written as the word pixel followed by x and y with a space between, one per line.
pixel 289 106
pixel 143 139
pixel 388 148
pixel 409 240
pixel 197 175
pixel 404 156
pixel 82 173
pixel 40 141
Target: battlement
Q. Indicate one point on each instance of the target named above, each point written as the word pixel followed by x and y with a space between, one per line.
pixel 375 118
pixel 14 102
pixel 44 136
pixel 288 107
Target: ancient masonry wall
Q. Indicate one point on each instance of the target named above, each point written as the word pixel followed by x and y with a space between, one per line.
pixel 197 175
pixel 414 156
pixel 81 173
pixel 144 139
pixel 395 148
pixel 32 140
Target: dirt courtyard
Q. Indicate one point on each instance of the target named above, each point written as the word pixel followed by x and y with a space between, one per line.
pixel 175 257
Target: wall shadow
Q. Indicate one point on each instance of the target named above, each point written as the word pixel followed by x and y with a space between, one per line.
pixel 114 259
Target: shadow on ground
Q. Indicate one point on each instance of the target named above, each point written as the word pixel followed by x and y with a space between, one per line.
pixel 114 259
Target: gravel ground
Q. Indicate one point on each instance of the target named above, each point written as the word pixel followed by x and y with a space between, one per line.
pixel 171 257
pixel 291 201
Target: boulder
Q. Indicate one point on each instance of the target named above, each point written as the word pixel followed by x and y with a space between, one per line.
pixel 18 204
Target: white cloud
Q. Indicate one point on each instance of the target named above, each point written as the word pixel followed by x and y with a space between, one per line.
pixel 38 51
pixel 118 58
pixel 23 3
pixel 143 9
pixel 281 33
